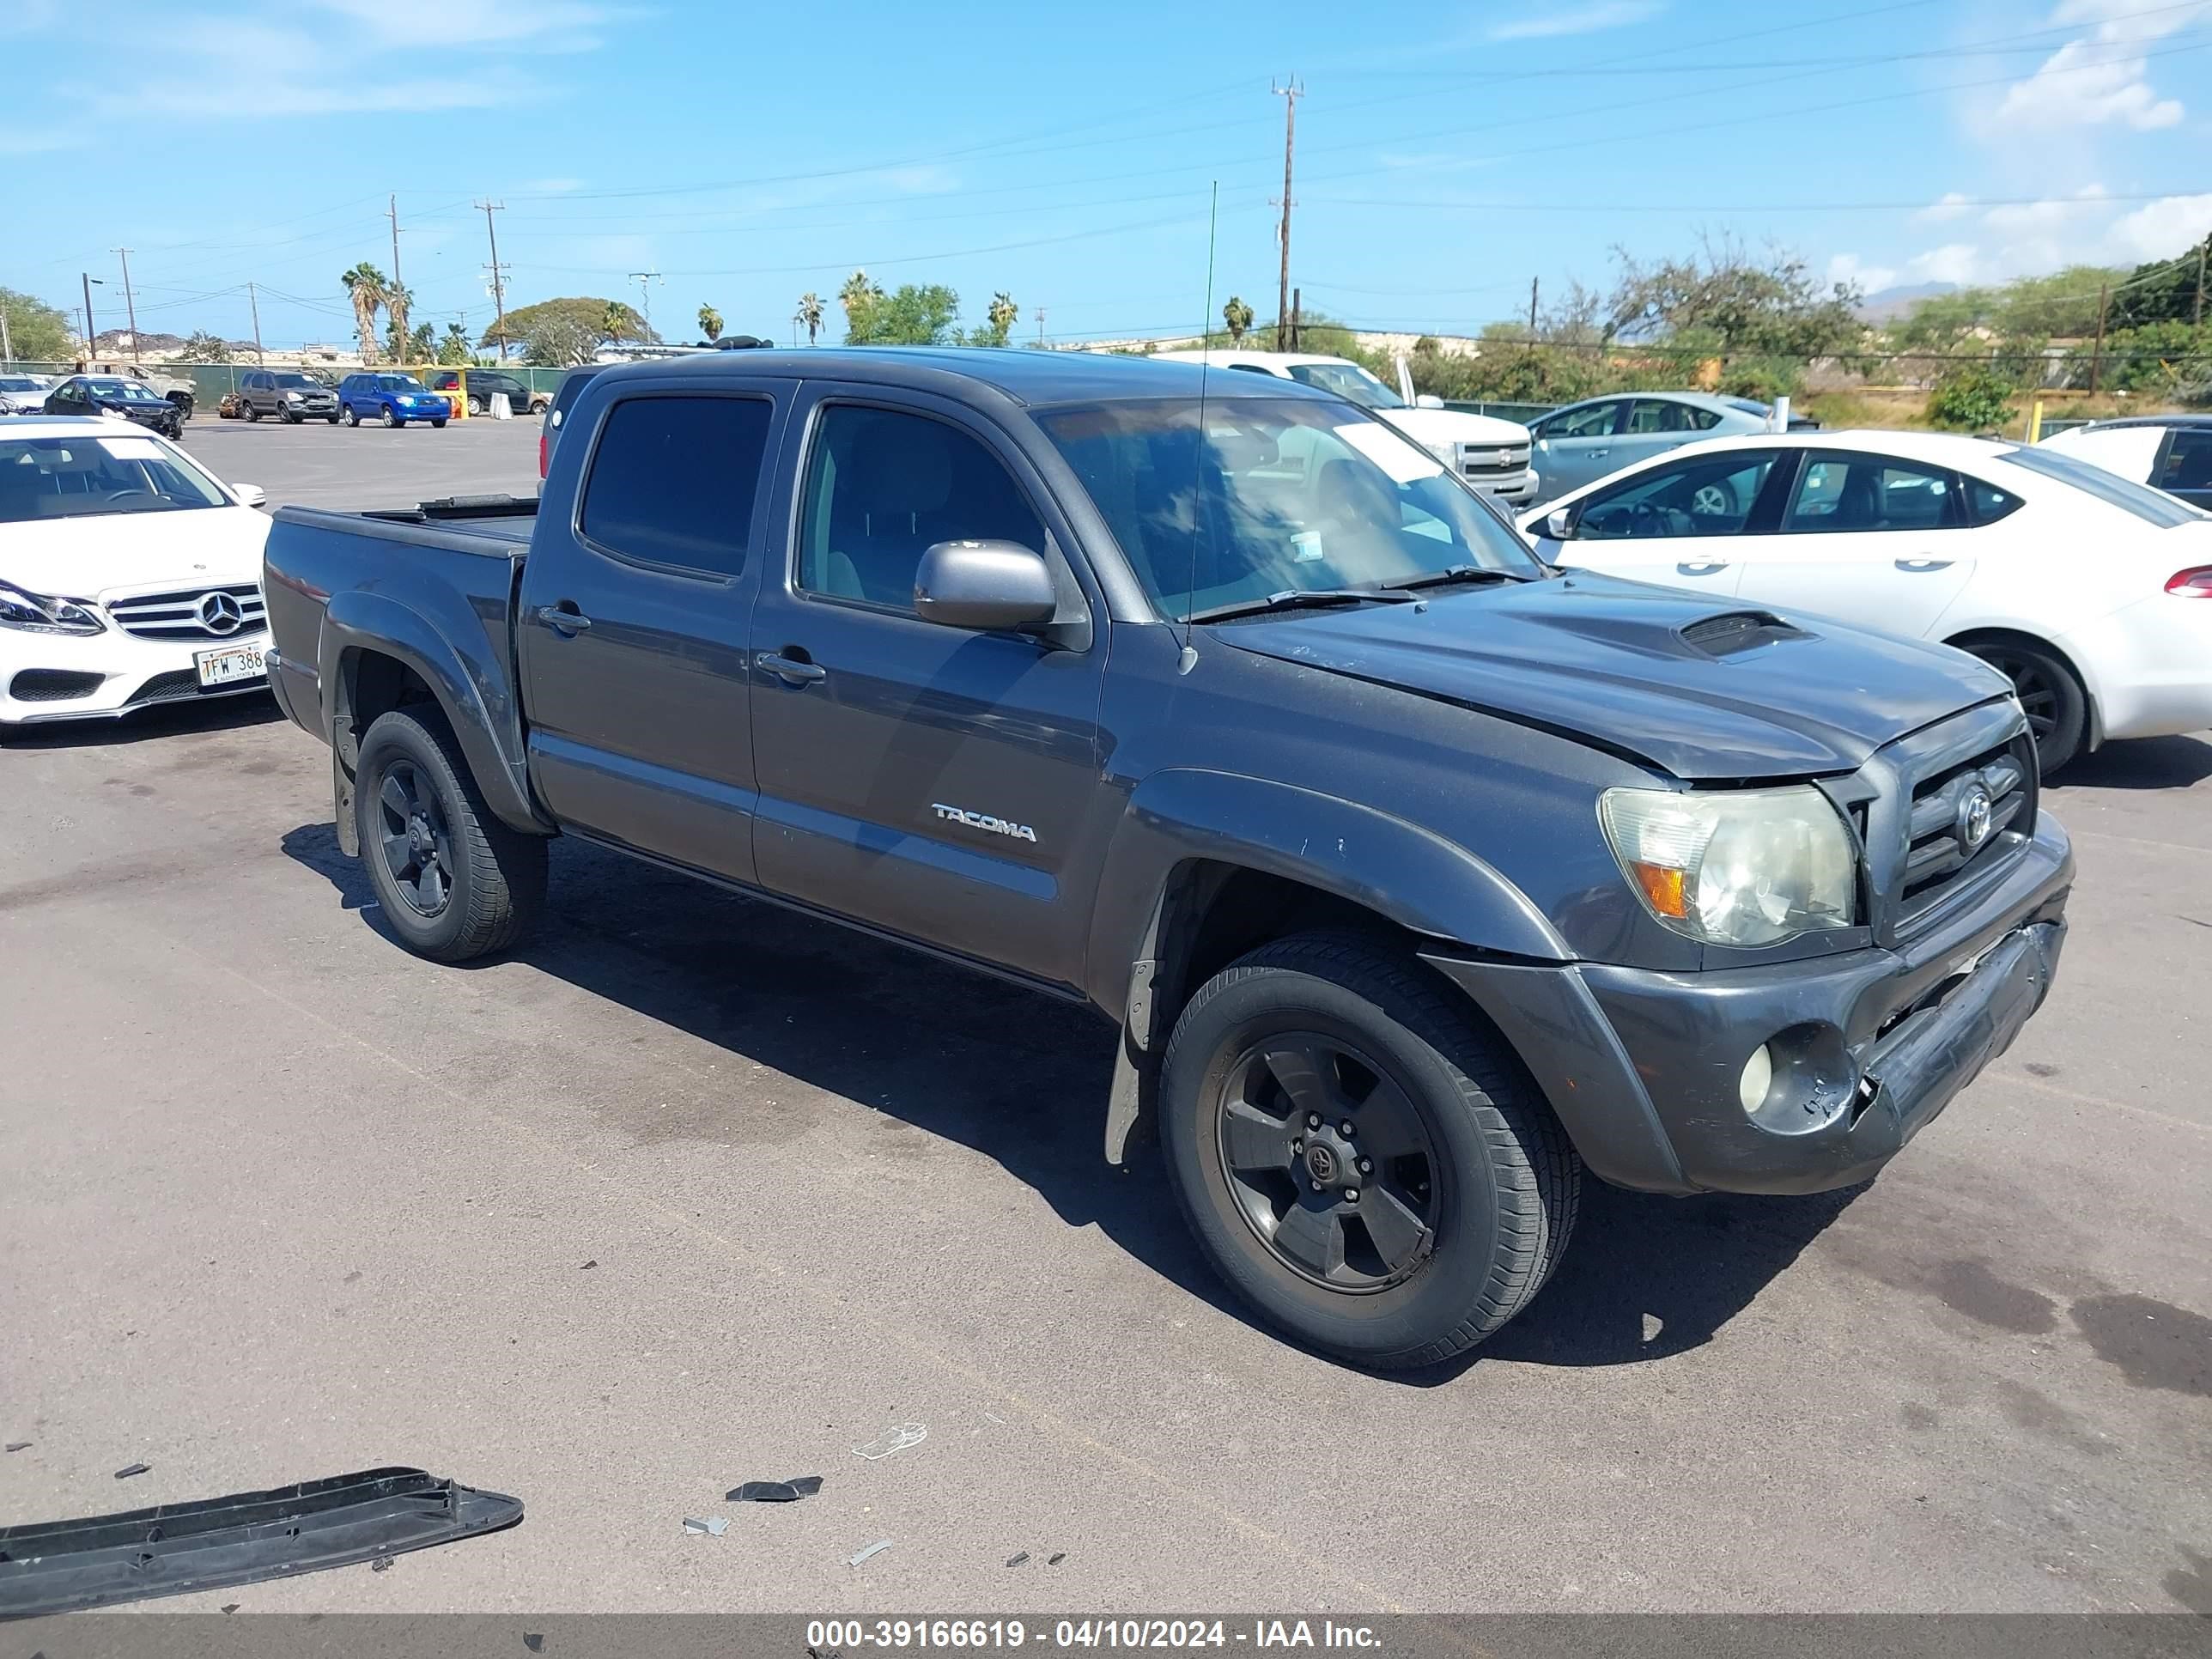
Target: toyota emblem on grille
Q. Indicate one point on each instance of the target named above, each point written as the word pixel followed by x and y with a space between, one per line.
pixel 1973 826
pixel 219 613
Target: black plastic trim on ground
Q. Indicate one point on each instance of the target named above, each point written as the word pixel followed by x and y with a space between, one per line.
pixel 60 1566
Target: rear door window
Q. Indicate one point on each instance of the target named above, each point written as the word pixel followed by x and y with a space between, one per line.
pixel 1844 493
pixel 673 479
pixel 2188 463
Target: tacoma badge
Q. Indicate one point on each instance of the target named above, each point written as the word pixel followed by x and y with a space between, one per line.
pixel 983 821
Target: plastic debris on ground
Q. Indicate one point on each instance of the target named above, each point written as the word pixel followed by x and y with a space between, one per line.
pixel 876 1548
pixel 1056 1559
pixel 19 1445
pixel 1017 1558
pixel 593 1263
pixel 534 1640
pixel 775 1492
pixel 896 1438
pixel 714 1526
pixel 130 1469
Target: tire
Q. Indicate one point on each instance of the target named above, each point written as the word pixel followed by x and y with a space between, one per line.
pixel 439 425
pixel 332 419
pixel 391 416
pixel 2057 706
pixel 252 414
pixel 290 417
pixel 490 880
pixel 352 415
pixel 1491 1194
pixel 479 406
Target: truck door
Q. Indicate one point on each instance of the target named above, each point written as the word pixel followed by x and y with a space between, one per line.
pixel 930 781
pixel 633 628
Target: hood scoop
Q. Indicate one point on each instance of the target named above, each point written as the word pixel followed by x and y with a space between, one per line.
pixel 1737 631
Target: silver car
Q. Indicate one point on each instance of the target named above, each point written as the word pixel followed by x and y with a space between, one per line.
pixel 23 394
pixel 1584 441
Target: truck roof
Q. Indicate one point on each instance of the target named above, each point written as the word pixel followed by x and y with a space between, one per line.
pixel 1026 376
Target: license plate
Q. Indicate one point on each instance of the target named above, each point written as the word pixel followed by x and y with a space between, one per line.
pixel 231 663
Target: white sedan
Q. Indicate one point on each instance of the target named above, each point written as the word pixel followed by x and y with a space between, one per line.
pixel 2092 592
pixel 129 574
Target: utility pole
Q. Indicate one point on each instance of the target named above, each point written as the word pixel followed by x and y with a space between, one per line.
pixel 1290 95
pixel 1298 320
pixel 392 212
pixel 1532 318
pixel 130 304
pixel 498 276
pixel 254 301
pixel 2097 352
pixel 7 345
pixel 645 280
pixel 1040 326
pixel 2202 247
pixel 91 334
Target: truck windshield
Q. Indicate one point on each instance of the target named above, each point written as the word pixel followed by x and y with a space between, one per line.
pixel 1350 381
pixel 74 478
pixel 1280 496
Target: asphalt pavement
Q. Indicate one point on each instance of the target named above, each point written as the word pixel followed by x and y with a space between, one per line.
pixel 690 1191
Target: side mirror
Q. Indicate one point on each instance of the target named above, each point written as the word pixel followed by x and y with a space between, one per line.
pixel 1428 400
pixel 250 495
pixel 1559 524
pixel 984 586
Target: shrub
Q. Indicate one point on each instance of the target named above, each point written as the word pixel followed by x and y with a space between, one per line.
pixel 1973 398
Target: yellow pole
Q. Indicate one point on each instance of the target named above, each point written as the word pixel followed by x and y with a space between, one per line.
pixel 2035 420
pixel 459 394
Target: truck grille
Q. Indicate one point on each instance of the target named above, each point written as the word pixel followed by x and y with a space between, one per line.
pixel 1492 460
pixel 1966 816
pixel 193 613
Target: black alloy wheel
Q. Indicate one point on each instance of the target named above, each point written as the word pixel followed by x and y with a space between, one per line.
pixel 1328 1162
pixel 415 845
pixel 2052 699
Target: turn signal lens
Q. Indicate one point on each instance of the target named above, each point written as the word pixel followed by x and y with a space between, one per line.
pixel 1662 889
pixel 2192 584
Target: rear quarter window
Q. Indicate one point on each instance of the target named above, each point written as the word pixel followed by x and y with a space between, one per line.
pixel 672 481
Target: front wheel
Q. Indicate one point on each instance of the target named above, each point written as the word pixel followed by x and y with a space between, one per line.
pixel 252 414
pixel 2056 707
pixel 455 883
pixel 332 419
pixel 392 417
pixel 352 415
pixel 1371 1170
pixel 439 425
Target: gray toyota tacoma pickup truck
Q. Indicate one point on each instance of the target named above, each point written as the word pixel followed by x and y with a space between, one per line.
pixel 1419 876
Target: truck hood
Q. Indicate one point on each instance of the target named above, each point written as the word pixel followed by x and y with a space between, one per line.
pixel 1440 428
pixel 1604 661
pixel 82 558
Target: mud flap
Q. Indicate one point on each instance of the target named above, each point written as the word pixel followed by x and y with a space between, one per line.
pixel 61 1566
pixel 342 806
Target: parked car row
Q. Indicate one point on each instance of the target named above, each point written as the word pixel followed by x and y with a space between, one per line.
pixel 391 397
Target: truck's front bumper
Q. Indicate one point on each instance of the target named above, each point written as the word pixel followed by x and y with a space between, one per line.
pixel 1645 1068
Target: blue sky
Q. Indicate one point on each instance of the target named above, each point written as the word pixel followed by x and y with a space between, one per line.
pixel 1446 154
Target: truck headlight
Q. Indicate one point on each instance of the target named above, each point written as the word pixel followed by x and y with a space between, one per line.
pixel 39 615
pixel 1737 866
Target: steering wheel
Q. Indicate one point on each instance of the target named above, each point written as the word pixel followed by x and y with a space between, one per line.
pixel 1646 520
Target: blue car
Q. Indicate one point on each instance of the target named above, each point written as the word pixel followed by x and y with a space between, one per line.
pixel 395 399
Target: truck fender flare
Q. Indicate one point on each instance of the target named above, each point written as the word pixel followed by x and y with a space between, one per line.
pixel 358 621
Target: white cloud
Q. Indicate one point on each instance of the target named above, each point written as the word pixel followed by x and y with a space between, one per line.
pixel 1953 262
pixel 447 24
pixel 2096 79
pixel 1949 205
pixel 2045 216
pixel 1539 24
pixel 1870 279
pixel 2162 229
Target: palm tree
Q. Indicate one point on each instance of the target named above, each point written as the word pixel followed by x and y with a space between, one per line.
pixel 1238 316
pixel 1004 314
pixel 364 286
pixel 397 301
pixel 858 294
pixel 710 323
pixel 809 314
pixel 614 321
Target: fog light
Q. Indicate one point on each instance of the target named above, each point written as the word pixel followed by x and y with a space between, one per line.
pixel 1757 1074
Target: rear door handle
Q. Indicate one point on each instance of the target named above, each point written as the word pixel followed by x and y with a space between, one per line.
pixel 563 619
pixel 1704 569
pixel 1922 566
pixel 790 670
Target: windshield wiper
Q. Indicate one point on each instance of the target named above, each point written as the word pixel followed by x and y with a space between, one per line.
pixel 1297 598
pixel 1458 573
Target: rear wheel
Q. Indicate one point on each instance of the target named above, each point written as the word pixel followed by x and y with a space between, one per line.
pixel 1368 1169
pixel 2056 707
pixel 455 883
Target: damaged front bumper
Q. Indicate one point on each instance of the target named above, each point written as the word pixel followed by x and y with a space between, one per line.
pixel 63 1566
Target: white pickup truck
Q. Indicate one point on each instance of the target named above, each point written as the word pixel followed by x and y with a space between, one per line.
pixel 177 389
pixel 1490 453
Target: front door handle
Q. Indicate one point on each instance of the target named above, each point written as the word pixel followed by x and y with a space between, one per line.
pixel 1704 568
pixel 563 619
pixel 1922 566
pixel 1597 454
pixel 790 670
